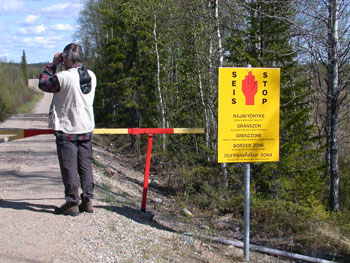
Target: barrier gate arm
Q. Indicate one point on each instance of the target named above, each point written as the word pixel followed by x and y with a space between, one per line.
pixel 16 134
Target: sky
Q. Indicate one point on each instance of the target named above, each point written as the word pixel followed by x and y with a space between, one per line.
pixel 39 27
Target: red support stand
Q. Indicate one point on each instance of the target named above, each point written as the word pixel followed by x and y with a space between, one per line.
pixel 147 168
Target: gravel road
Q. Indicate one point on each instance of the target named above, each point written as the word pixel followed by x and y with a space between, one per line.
pixel 30 188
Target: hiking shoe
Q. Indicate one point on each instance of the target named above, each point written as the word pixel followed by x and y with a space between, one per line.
pixel 67 209
pixel 86 206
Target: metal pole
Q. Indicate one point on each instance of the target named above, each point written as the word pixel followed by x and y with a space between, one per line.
pixel 246 207
pixel 246 210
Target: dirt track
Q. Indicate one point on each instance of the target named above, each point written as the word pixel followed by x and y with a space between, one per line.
pixel 30 187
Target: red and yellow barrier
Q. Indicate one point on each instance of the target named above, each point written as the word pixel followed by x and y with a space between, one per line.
pixel 16 134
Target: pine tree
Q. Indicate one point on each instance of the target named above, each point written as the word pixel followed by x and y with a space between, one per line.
pixel 24 67
pixel 126 66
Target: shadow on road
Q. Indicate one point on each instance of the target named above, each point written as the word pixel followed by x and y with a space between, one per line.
pixel 16 258
pixel 19 204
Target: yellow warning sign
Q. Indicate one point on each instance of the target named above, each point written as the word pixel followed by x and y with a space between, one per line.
pixel 248 124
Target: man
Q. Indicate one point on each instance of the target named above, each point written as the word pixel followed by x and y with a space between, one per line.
pixel 72 119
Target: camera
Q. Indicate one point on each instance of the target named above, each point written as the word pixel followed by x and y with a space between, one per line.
pixel 62 57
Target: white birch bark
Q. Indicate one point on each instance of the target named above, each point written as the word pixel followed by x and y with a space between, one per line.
pixel 201 92
pixel 160 96
pixel 211 93
pixel 221 63
pixel 217 26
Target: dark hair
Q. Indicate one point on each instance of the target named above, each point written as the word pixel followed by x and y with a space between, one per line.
pixel 74 52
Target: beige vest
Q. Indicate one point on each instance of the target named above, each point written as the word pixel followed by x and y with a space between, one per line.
pixel 71 111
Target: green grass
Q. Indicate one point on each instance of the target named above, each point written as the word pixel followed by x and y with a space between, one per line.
pixel 29 106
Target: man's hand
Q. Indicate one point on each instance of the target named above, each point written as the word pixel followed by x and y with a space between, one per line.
pixel 57 58
pixel 249 88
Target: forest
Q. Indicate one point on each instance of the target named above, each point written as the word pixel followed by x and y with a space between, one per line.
pixel 158 63
pixel 157 66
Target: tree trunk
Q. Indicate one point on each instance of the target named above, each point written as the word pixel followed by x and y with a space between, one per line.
pixel 161 102
pixel 212 91
pixel 201 92
pixel 221 63
pixel 332 103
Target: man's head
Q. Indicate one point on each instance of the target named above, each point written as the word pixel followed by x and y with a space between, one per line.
pixel 72 53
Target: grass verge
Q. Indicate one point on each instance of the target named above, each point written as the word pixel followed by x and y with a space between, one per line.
pixel 29 106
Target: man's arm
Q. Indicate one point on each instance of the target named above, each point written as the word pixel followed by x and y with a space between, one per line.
pixel 48 81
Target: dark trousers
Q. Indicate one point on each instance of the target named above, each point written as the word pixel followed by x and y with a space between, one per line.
pixel 75 162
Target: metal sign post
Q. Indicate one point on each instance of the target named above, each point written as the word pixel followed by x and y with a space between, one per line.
pixel 246 210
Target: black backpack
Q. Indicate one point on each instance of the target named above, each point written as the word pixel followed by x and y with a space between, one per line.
pixel 85 80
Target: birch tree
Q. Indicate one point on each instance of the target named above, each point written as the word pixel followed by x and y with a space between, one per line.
pixel 221 64
pixel 326 36
pixel 159 89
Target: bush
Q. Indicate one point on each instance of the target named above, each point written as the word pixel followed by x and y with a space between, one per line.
pixel 13 89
